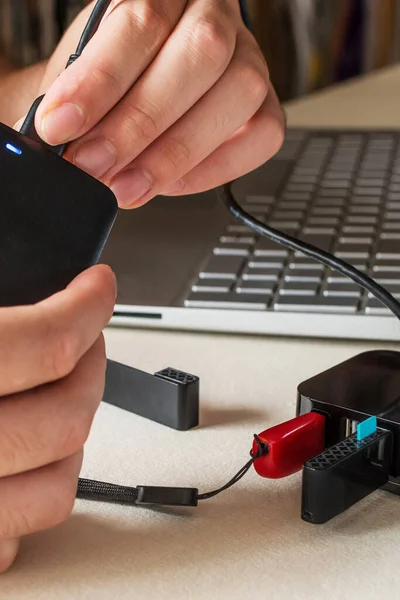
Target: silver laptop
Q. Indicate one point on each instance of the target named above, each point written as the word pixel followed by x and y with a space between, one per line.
pixel 185 263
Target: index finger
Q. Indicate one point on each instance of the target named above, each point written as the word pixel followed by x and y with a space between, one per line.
pixel 128 40
pixel 44 342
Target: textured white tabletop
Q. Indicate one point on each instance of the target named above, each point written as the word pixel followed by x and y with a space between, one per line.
pixel 250 541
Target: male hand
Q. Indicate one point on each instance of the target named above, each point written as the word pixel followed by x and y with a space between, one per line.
pixel 52 374
pixel 169 97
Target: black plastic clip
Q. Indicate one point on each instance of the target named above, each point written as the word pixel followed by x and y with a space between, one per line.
pixel 344 474
pixel 169 397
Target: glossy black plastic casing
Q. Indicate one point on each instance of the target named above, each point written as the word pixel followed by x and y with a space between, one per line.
pixel 363 386
pixel 54 222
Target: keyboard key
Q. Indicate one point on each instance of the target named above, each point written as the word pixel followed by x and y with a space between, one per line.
pixel 239 229
pixel 228 301
pixel 222 267
pixel 255 287
pixel 254 199
pixel 286 226
pixel 266 247
pixel 282 215
pixel 263 263
pixel 286 205
pixel 371 181
pixel 320 231
pixel 261 274
pixel 323 221
pixel 373 174
pixel 341 175
pixel 299 187
pixel 325 304
pixel 365 201
pixel 348 290
pixel 336 183
pixel 391 226
pixel 388 270
pixel 357 230
pixel 330 202
pixel 303 276
pixel 375 307
pixel 321 241
pixel 361 220
pixel 299 178
pixel 364 210
pixel 389 249
pixel 332 193
pixel 307 171
pixel 356 240
pixel 392 216
pixel 298 288
pixel 353 250
pixel 304 262
pixel 296 196
pixel 238 239
pixel 323 211
pixel 368 191
pixel 212 286
pixel 256 209
pixel 232 250
pixel 390 235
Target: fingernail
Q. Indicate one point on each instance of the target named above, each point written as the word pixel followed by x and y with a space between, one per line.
pixel 96 157
pixel 62 123
pixel 174 188
pixel 130 186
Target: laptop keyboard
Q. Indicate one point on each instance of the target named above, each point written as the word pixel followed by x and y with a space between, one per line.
pixel 338 191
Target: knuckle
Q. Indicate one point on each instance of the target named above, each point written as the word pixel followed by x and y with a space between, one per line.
pixel 139 125
pixel 59 509
pixel 8 550
pixel 105 79
pixel 14 523
pixel 15 446
pixel 74 434
pixel 175 156
pixel 210 39
pixel 152 19
pixel 253 83
pixel 61 353
pixel 276 132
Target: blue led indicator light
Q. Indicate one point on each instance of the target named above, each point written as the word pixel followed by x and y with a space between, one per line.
pixel 366 428
pixel 13 149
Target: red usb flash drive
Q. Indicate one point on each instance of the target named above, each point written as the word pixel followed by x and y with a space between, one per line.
pixel 290 445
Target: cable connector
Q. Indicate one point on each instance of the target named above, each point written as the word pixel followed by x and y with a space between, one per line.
pixel 29 130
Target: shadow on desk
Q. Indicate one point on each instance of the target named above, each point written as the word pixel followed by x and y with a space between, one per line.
pixel 137 545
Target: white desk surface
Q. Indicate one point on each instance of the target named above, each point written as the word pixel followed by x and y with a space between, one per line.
pixel 250 541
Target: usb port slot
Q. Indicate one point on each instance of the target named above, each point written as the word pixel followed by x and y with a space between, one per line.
pixel 349 427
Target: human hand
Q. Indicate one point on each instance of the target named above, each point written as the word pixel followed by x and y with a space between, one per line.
pixel 170 97
pixel 52 374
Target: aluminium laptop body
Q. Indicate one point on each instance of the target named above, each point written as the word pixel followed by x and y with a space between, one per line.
pixel 185 263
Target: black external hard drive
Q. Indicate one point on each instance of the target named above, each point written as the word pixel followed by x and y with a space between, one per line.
pixel 54 221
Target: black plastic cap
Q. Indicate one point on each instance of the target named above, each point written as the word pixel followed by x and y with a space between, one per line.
pixel 170 397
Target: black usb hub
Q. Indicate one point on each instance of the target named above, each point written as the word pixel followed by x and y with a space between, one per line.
pixel 367 385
